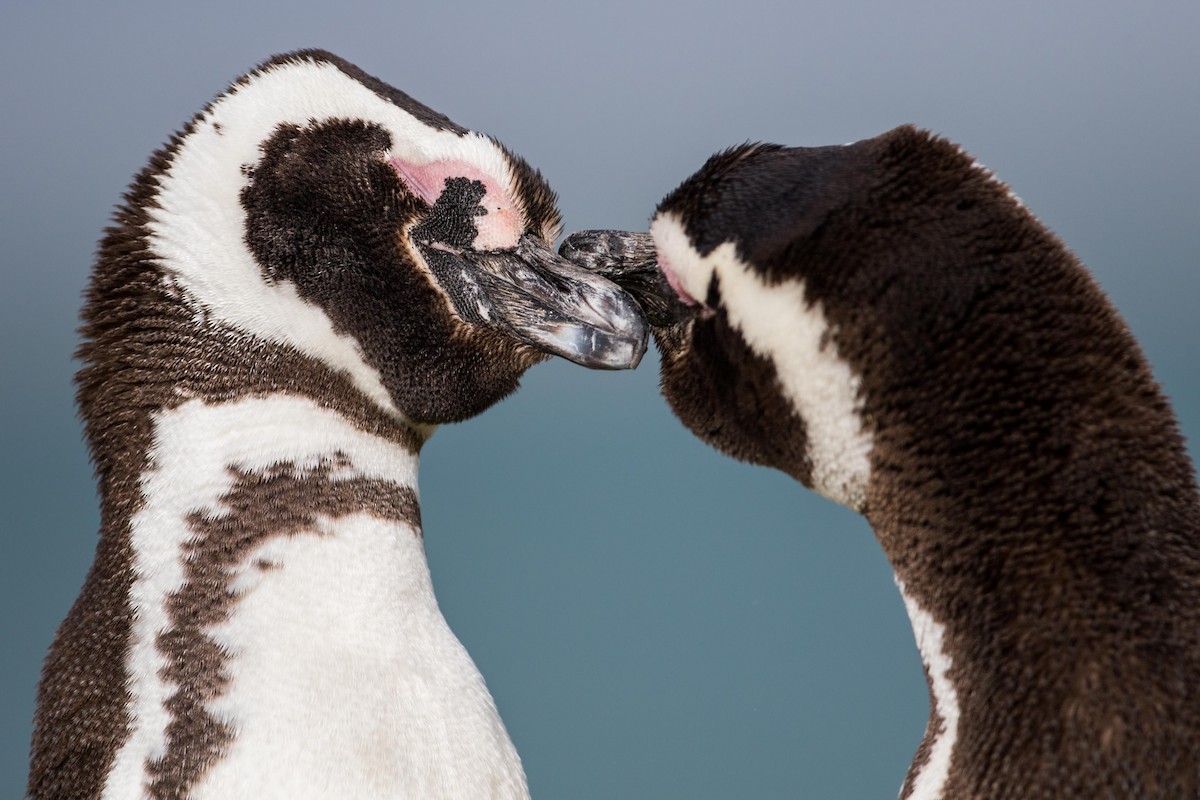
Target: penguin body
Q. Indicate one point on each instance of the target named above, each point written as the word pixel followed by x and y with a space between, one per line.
pixel 887 323
pixel 308 279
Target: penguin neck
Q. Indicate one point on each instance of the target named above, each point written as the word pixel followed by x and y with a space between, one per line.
pixel 1052 577
pixel 1030 487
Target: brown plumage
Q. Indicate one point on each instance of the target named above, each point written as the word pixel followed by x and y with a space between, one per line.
pixel 1027 479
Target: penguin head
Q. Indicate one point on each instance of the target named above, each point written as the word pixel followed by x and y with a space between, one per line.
pixel 314 207
pixel 743 354
pixel 807 299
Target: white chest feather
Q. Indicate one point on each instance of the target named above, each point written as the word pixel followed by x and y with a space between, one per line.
pixel 367 694
pixel 342 679
pixel 930 636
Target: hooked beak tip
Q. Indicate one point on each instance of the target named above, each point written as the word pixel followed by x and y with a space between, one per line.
pixel 617 342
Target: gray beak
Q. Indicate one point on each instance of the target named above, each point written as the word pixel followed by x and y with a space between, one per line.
pixel 629 260
pixel 548 302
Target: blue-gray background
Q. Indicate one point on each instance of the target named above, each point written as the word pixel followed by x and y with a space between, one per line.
pixel 653 619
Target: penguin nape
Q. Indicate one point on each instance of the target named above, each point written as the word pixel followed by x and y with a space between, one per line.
pixel 305 281
pixel 887 323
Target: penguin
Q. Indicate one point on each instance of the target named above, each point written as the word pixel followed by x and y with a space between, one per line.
pixel 887 323
pixel 301 285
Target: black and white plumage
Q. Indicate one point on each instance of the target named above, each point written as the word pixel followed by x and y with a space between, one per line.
pixel 887 323
pixel 301 285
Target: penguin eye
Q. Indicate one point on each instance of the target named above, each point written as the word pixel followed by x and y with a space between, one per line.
pixel 501 222
pixel 691 275
pixel 673 279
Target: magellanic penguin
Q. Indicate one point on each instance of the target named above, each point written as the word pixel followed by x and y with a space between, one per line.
pixel 887 323
pixel 306 280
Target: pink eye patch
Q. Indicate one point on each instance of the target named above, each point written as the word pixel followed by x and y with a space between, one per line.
pixel 673 278
pixel 499 229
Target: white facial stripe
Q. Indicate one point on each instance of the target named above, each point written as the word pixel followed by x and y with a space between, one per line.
pixel 198 229
pixel 194 446
pixel 684 267
pixel 930 636
pixel 778 323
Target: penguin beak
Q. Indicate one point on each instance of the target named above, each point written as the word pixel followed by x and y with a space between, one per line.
pixel 629 260
pixel 552 304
